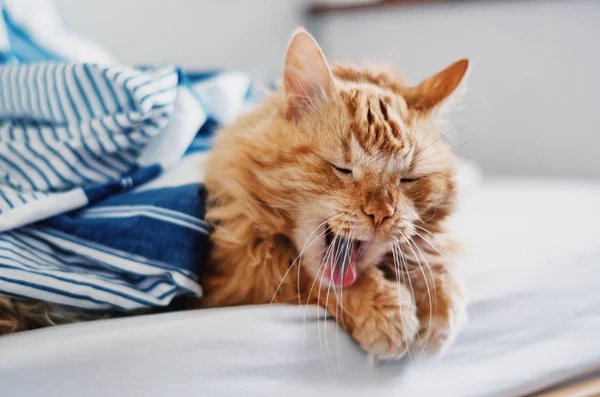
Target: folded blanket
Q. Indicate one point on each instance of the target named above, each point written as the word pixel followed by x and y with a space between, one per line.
pixel 76 137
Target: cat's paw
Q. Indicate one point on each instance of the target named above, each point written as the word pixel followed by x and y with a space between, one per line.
pixel 437 333
pixel 387 323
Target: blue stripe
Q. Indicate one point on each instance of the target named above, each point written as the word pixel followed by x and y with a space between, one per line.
pixel 31 164
pixel 83 96
pixel 85 163
pixel 36 91
pixel 68 94
pixel 11 132
pixel 60 292
pixel 34 251
pixel 154 79
pixel 156 93
pixel 65 180
pixel 69 166
pixel 25 89
pixel 162 266
pixel 86 69
pixel 63 264
pixel 72 305
pixel 18 169
pixel 14 89
pixel 125 133
pixel 100 98
pixel 5 93
pixel 101 265
pixel 128 130
pixel 98 158
pixel 169 292
pixel 112 90
pixel 6 200
pixel 132 102
pixel 167 212
pixel 51 103
pixel 160 106
pixel 110 136
pixel 34 270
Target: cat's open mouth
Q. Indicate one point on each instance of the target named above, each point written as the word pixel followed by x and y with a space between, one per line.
pixel 341 258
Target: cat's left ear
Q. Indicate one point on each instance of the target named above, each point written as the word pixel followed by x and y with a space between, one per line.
pixel 307 78
pixel 440 89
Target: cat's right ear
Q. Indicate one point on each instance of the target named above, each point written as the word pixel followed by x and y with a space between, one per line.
pixel 307 79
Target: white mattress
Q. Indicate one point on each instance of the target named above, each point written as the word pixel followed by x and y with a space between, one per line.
pixel 532 275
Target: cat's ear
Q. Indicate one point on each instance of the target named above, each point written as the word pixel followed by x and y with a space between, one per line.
pixel 307 79
pixel 439 90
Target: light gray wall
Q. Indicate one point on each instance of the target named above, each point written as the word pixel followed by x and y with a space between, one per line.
pixel 533 104
pixel 200 34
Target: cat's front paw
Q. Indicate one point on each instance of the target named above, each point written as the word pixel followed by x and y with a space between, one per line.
pixel 386 323
pixel 439 331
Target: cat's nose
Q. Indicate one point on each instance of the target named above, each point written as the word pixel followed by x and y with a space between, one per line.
pixel 379 213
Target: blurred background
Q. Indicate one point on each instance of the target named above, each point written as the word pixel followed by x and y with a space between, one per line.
pixel 532 107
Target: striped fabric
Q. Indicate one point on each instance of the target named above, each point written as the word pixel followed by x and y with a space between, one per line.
pixel 77 137
pixel 70 125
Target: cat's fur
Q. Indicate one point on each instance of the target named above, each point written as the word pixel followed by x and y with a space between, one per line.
pixel 279 182
pixel 273 180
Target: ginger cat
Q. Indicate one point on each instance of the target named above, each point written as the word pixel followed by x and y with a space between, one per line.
pixel 340 180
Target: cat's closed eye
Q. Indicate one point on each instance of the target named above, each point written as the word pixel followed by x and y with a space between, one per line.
pixel 408 180
pixel 341 170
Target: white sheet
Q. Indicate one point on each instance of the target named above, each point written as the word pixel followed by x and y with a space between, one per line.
pixel 532 276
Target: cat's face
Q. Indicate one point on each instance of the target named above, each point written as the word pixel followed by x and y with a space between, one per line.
pixel 344 163
pixel 373 175
pixel 365 161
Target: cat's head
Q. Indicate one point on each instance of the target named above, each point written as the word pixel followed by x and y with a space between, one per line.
pixel 353 157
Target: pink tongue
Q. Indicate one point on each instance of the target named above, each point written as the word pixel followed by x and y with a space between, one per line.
pixel 342 277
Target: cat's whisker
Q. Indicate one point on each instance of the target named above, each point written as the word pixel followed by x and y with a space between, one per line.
pixel 430 243
pixel 425 230
pixel 304 247
pixel 349 254
pixel 319 270
pixel 325 260
pixel 321 266
pixel 335 261
pixel 445 150
pixel 349 248
pixel 432 215
pixel 299 256
pixel 397 255
pixel 411 243
pixel 398 286
pixel 339 311
pixel 412 291
pixel 319 308
pixel 451 130
pixel 426 262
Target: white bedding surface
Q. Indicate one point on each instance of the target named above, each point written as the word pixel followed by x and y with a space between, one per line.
pixel 532 277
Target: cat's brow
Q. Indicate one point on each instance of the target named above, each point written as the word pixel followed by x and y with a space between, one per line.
pixel 375 124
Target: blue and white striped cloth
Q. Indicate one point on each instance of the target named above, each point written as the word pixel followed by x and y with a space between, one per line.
pixel 78 134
